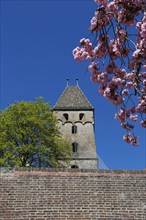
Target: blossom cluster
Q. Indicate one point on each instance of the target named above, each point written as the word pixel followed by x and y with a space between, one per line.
pixel 122 78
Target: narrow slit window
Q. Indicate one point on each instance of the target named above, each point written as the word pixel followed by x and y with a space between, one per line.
pixel 74 147
pixel 74 166
pixel 74 129
pixel 81 116
pixel 66 116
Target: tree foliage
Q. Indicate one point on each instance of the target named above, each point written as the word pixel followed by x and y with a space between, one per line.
pixel 116 49
pixel 29 136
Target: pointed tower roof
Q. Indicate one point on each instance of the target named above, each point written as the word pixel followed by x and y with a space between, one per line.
pixel 72 98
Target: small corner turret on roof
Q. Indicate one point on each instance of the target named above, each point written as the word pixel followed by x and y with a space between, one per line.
pixel 72 98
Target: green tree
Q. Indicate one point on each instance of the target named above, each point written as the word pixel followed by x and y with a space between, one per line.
pixel 29 136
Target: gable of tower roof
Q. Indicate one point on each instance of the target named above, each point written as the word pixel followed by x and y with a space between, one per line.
pixel 72 98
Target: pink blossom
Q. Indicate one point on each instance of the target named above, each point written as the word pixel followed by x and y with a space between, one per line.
pixel 93 22
pixel 129 85
pixel 101 90
pixel 119 72
pixel 143 74
pixel 121 115
pixel 107 92
pixel 93 68
pixel 134 141
pixel 101 2
pixel 137 53
pixel 122 33
pixel 125 51
pixel 132 109
pixel 89 57
pixel 144 82
pixel 134 117
pixel 127 138
pixel 112 9
pixel 125 92
pixel 110 67
pixel 130 76
pixel 117 49
pixel 138 25
pixel 94 78
pixel 143 123
pixel 117 81
pixel 99 51
pixel 116 100
pixel 127 126
pixel 99 20
pixel 133 63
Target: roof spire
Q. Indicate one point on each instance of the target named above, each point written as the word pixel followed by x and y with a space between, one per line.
pixel 77 82
pixel 67 80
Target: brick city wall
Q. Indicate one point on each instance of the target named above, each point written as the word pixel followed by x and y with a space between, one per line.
pixel 59 194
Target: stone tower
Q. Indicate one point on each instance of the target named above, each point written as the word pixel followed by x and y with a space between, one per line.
pixel 76 122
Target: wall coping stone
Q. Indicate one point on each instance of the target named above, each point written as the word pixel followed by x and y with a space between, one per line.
pixel 27 171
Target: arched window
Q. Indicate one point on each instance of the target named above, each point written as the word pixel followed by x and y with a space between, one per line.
pixel 74 166
pixel 81 115
pixel 65 116
pixel 74 147
pixel 74 129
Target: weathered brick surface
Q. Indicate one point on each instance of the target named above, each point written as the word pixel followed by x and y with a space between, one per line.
pixel 58 194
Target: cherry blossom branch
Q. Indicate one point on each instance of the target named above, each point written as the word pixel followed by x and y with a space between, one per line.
pixel 112 25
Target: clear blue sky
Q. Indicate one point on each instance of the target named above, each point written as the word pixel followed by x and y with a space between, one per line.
pixel 37 39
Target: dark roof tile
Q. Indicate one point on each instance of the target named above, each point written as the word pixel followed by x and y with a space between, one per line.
pixel 72 98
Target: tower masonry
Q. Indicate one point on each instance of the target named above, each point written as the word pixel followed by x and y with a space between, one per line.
pixel 76 122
